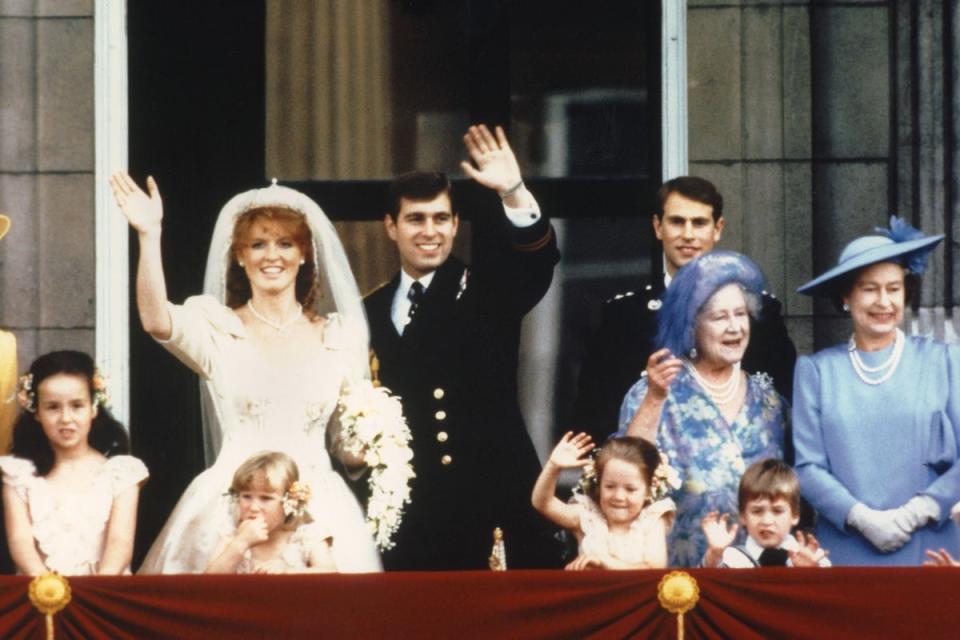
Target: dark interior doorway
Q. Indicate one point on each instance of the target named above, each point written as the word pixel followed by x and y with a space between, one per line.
pixel 197 124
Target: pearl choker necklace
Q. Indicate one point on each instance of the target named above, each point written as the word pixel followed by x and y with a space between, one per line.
pixel 721 393
pixel 281 328
pixel 889 365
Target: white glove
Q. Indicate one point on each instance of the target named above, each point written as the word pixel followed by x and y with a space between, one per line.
pixel 879 527
pixel 916 513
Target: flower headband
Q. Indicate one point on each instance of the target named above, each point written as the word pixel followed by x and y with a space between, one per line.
pixel 295 499
pixel 665 480
pixel 27 395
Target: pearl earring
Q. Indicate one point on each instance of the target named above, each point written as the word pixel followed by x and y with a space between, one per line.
pixel 846 307
pixel 693 353
pixel 303 261
pixel 240 262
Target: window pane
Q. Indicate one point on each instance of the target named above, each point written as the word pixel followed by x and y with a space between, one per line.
pixel 368 89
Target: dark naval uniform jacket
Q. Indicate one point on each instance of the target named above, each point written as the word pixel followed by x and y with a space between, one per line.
pixel 455 370
pixel 620 348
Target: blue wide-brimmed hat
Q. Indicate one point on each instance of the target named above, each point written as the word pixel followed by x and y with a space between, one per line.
pixel 901 243
pixel 692 287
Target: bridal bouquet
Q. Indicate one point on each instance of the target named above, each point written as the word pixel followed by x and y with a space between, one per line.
pixel 373 427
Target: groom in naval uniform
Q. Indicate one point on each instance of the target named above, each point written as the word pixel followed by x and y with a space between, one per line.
pixel 689 221
pixel 446 337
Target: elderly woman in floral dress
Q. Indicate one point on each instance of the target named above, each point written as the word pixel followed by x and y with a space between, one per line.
pixel 694 401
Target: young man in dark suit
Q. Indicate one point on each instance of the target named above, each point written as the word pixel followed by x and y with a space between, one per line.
pixel 446 337
pixel 689 222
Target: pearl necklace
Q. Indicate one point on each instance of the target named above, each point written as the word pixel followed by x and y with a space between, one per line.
pixel 721 393
pixel 890 364
pixel 281 328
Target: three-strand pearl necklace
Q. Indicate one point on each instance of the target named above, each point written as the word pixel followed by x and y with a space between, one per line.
pixel 281 328
pixel 721 393
pixel 888 366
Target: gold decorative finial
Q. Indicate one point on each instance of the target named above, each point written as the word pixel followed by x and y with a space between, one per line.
pixel 498 556
pixel 678 593
pixel 49 593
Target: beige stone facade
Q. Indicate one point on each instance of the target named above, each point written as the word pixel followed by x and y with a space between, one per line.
pixel 48 271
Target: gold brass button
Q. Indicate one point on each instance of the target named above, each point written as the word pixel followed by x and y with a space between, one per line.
pixel 445 460
pixel 440 415
pixel 442 436
pixel 438 393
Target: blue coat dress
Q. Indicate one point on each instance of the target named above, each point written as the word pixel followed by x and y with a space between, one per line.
pixel 880 445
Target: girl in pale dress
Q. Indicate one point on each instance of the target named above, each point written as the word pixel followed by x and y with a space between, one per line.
pixel 622 521
pixel 277 338
pixel 70 502
pixel 273 532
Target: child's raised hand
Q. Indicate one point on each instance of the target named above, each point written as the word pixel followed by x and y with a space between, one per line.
pixel 717 529
pixel 570 452
pixel 144 212
pixel 809 554
pixel 253 531
pixel 940 558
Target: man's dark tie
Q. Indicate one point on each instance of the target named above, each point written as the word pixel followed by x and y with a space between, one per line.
pixel 773 558
pixel 414 295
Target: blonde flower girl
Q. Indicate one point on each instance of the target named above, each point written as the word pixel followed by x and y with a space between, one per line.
pixel 273 532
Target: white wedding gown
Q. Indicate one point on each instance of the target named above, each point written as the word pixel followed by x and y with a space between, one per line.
pixel 260 407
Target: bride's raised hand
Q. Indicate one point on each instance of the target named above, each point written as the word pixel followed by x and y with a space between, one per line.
pixel 144 211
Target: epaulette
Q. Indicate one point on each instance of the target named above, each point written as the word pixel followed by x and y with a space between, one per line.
pixel 376 288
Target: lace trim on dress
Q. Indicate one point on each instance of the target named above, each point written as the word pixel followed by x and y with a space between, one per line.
pixel 69 529
pixel 596 534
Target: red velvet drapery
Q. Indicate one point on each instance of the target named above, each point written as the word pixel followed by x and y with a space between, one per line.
pixel 763 603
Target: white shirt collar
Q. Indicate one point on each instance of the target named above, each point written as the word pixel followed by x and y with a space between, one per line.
pixel 667 278
pixel 754 548
pixel 406 280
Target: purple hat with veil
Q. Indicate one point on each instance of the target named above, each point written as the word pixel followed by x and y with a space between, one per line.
pixel 692 287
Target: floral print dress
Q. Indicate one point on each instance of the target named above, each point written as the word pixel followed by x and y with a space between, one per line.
pixel 709 453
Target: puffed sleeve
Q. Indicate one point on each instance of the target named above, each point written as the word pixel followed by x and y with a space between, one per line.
pixel 592 520
pixel 18 473
pixel 662 508
pixel 125 472
pixel 350 339
pixel 631 402
pixel 197 324
pixel 817 483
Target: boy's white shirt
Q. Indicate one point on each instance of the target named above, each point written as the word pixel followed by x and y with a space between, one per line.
pixel 734 558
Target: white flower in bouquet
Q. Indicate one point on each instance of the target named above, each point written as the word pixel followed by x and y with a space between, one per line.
pixel 373 426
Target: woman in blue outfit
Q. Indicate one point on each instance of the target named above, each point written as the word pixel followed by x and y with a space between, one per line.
pixel 703 412
pixel 877 420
